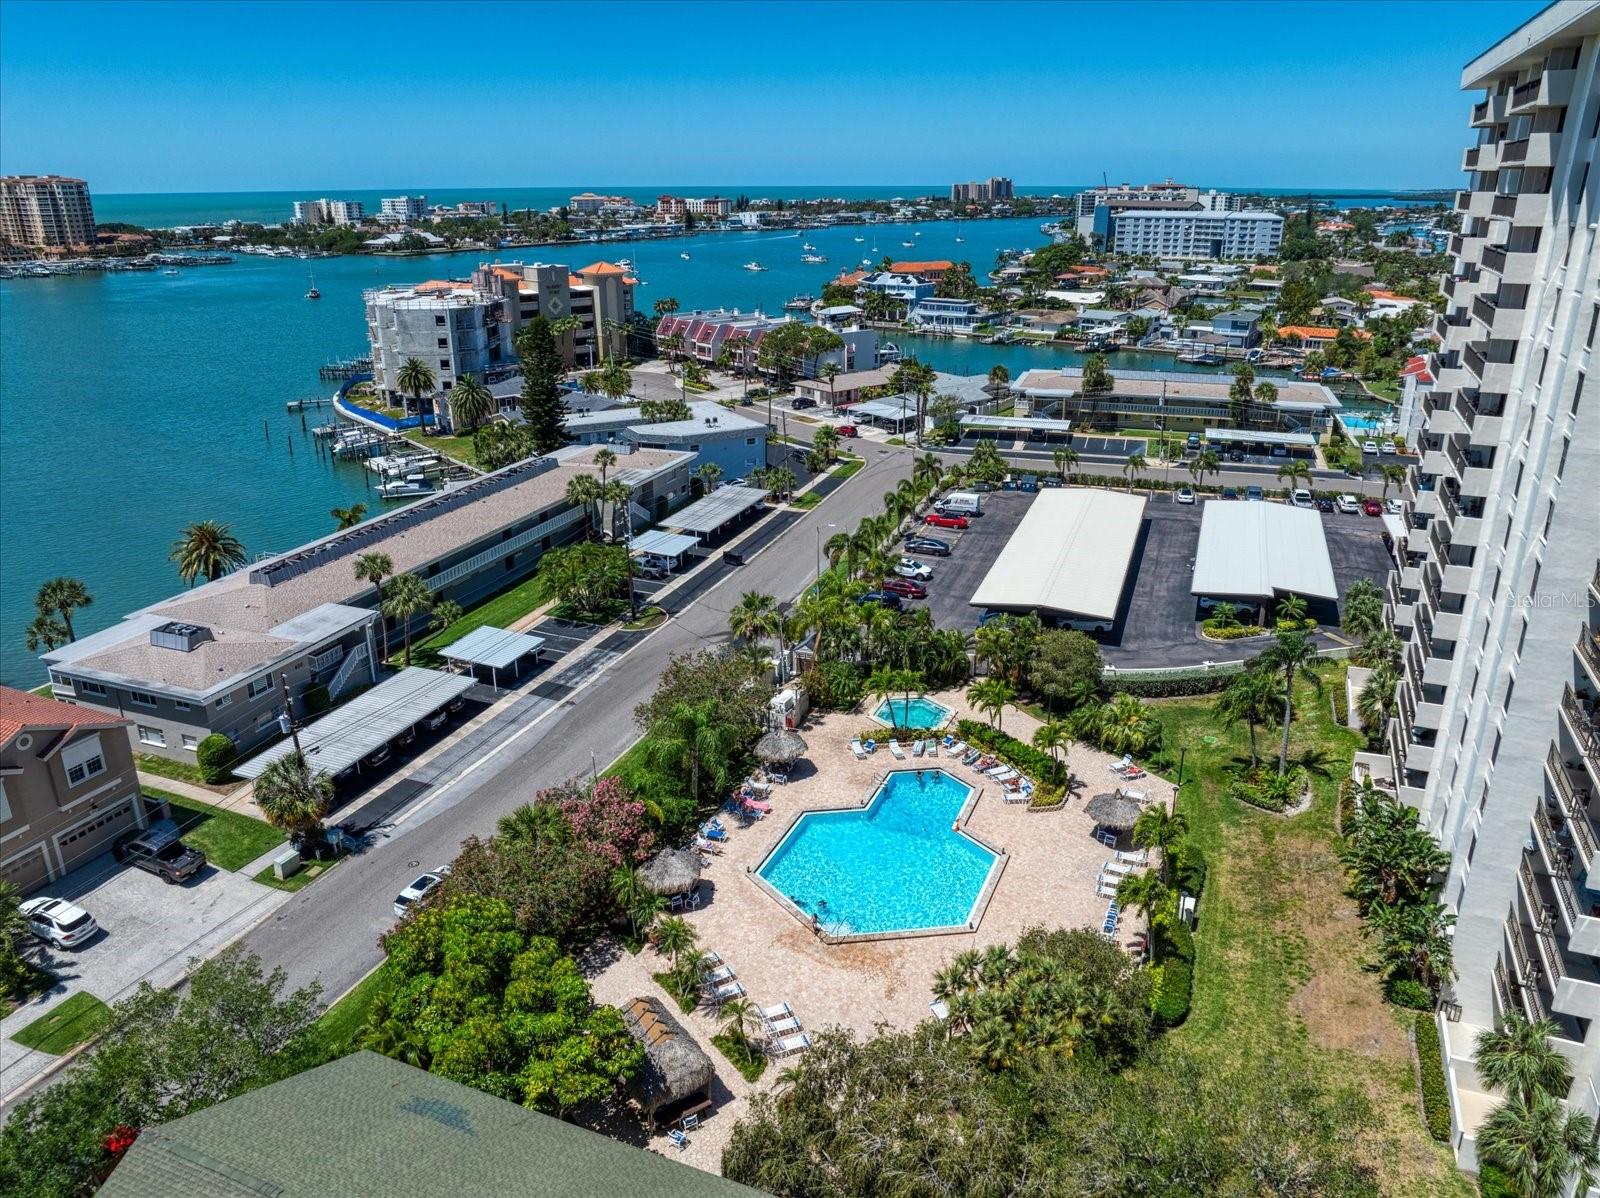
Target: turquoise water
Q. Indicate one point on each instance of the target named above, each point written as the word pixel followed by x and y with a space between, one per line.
pixel 921 712
pixel 896 865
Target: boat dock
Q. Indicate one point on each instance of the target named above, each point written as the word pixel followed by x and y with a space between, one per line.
pixel 344 368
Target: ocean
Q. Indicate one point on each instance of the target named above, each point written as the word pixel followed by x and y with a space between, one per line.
pixel 134 404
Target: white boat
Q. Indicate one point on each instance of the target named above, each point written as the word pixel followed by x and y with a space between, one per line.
pixel 808 247
pixel 959 240
pixel 799 303
pixel 171 270
pixel 888 352
pixel 754 266
pixel 685 257
pixel 408 487
pixel 313 293
pixel 625 263
pixel 813 259
pixel 860 238
pixel 908 244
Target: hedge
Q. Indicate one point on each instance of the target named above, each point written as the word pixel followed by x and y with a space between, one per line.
pixel 1170 1002
pixel 1495 1182
pixel 1435 1100
pixel 1189 869
pixel 215 757
pixel 1408 993
pixel 1156 687
pixel 1042 767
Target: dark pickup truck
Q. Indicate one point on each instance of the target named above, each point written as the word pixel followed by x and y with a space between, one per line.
pixel 160 850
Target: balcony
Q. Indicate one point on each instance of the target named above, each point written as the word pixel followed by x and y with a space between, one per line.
pixel 1494 258
pixel 1469 159
pixel 1579 716
pixel 1573 798
pixel 1589 653
pixel 1553 89
pixel 1472 358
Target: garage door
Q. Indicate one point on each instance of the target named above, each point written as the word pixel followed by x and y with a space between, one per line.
pixel 94 836
pixel 27 871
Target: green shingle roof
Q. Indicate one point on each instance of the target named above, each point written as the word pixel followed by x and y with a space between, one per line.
pixel 369 1125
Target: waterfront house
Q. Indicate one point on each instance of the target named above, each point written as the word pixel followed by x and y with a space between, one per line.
pixel 703 334
pixel 1079 297
pixel 712 434
pixel 899 285
pixel 1233 329
pixel 1179 401
pixel 218 658
pixel 846 387
pixel 1102 322
pixel 67 786
pixel 1314 336
pixel 931 271
pixel 938 314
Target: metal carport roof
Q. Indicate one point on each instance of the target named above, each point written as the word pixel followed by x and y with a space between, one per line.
pixel 1241 436
pixel 1043 424
pixel 716 509
pixel 1258 550
pixel 368 722
pixel 1070 553
pixel 496 648
pixel 664 544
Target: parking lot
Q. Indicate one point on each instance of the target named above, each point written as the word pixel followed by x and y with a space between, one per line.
pixel 1157 620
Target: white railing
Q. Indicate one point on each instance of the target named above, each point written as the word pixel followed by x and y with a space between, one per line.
pixel 477 561
pixel 341 680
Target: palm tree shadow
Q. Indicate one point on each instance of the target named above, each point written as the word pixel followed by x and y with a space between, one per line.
pixel 1314 761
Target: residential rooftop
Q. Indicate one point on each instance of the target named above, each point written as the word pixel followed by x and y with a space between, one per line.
pixel 1175 384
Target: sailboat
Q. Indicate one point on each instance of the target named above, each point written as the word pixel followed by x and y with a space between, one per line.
pixel 313 293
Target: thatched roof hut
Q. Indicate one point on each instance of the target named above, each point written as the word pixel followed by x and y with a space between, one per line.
pixel 671 871
pixel 782 745
pixel 676 1077
pixel 1115 811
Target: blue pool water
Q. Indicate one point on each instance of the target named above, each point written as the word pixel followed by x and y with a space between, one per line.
pixel 1359 421
pixel 921 712
pixel 895 865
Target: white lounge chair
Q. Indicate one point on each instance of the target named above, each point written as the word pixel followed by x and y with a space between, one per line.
pixel 726 991
pixel 1120 869
pixel 783 1027
pixel 1142 857
pixel 1001 773
pixel 721 973
pixel 778 1010
pixel 899 753
pixel 855 747
pixel 940 1009
pixel 917 748
pixel 958 749
pixel 702 845
pixel 933 748
pixel 1106 888
pixel 710 960
pixel 790 1045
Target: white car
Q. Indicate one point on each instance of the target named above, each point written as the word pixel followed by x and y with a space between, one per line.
pixel 910 567
pixel 1348 504
pixel 1300 497
pixel 1369 446
pixel 419 890
pixel 1389 447
pixel 58 922
pixel 1184 495
pixel 1394 507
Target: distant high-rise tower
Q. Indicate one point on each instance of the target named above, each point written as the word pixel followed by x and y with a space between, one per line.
pixel 45 211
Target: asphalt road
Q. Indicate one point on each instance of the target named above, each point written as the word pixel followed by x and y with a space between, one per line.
pixel 330 930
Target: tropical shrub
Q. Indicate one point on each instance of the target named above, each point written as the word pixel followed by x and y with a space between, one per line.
pixel 1430 1058
pixel 1404 992
pixel 834 685
pixel 1493 1181
pixel 1170 1002
pixel 215 756
pixel 1189 869
pixel 1232 632
pixel 1266 789
pixel 1171 686
pixel 1041 767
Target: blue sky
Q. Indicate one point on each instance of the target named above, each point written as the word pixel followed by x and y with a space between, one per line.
pixel 232 97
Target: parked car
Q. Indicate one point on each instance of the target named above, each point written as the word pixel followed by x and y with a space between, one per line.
pixel 436 720
pixel 419 890
pixel 1229 493
pixel 378 756
pixel 905 588
pixel 58 922
pixel 1254 493
pixel 653 570
pixel 1372 507
pixel 800 402
pixel 1324 504
pixel 1348 504
pixel 1388 447
pixel 930 545
pixel 1300 497
pixel 1236 455
pixel 1184 495
pixel 936 520
pixel 846 430
pixel 910 567
pixel 989 616
pixel 732 557
pixel 887 598
pixel 160 850
pixel 1394 506
pixel 1369 446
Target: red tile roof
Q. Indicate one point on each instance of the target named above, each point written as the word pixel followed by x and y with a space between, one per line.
pixel 849 278
pixel 935 267
pixel 602 268
pixel 1418 366
pixel 19 710
pixel 1325 332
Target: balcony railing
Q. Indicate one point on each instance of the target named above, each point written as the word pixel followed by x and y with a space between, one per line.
pixel 1583 722
pixel 1484 307
pixel 1504 205
pixel 1572 805
pixel 1502 989
pixel 1560 887
pixel 1589 649
pixel 1494 258
pixel 1521 956
pixel 1525 94
pixel 1470 158
pixel 1514 151
pixel 1473 358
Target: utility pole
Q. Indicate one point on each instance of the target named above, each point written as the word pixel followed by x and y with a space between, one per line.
pixel 286 721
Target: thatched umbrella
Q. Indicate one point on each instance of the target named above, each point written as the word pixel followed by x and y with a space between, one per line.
pixel 1114 810
pixel 784 744
pixel 671 871
pixel 676 1072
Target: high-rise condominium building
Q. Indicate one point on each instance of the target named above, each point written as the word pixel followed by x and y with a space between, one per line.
pixel 45 211
pixel 402 209
pixel 1496 736
pixel 996 187
pixel 328 212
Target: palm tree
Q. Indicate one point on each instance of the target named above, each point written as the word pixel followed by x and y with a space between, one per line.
pixel 207 548
pixel 47 631
pixel 445 613
pixel 408 598
pixel 1000 380
pixel 738 1017
pixel 757 615
pixel 1363 609
pixel 1162 830
pixel 1547 1149
pixel 1294 653
pixel 1254 697
pixel 583 490
pixel 709 474
pixel 1295 473
pixel 1205 462
pixel 1393 475
pixel 534 824
pixel 1414 940
pixel 416 379
pixel 1377 699
pixel 1132 468
pixel 886 682
pixel 1143 891
pixel 61 597
pixel 1517 1057
pixel 471 403
pixel 1291 610
pixel 1125 725
pixel 990 696
pixel 693 742
pixel 628 890
pixel 1052 737
pixel 673 937
pixel 293 796
pixel 613 380
pixel 374 568
pixel 348 517
pixel 1065 458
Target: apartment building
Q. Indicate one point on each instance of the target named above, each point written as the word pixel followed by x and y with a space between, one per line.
pixel 402 210
pixel 1496 740
pixel 45 211
pixel 703 335
pixel 328 212
pixel 220 657
pixel 455 327
pixel 996 187
pixel 712 434
pixel 1189 234
pixel 1089 217
pixel 67 787
pixel 598 296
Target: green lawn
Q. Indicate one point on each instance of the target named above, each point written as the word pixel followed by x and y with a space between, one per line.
pixel 848 467
pixel 341 1022
pixel 180 771
pixel 77 1019
pixel 1385 388
pixel 1281 962
pixel 309 873
pixel 500 610
pixel 809 499
pixel 457 447
pixel 631 760
pixel 229 840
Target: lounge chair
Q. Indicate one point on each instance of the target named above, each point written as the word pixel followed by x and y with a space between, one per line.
pixel 933 748
pixel 1001 772
pixel 718 975
pixel 870 746
pixel 916 748
pixel 970 756
pixel 1142 857
pixel 791 1045
pixel 778 1010
pixel 1106 888
pixel 1014 796
pixel 1138 796
pixel 940 1009
pixel 948 740
pixel 711 959
pixel 1119 869
pixel 760 805
pixel 762 790
pixel 894 748
pixel 1105 837
pixel 702 845
pixel 958 749
pixel 779 1028
pixel 855 747
pixel 714 831
pixel 678 1138
pixel 726 991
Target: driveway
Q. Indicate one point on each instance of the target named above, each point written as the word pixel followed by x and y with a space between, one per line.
pixel 972 552
pixel 149 931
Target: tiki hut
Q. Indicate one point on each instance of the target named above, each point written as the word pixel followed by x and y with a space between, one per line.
pixel 675 1079
pixel 783 746
pixel 671 871
pixel 1114 811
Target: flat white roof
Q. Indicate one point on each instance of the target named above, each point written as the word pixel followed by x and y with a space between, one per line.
pixel 1258 550
pixel 891 407
pixel 1042 423
pixel 1254 437
pixel 716 509
pixel 368 722
pixel 664 544
pixel 1070 553
pixel 497 648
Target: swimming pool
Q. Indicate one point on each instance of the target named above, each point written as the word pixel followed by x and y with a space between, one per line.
pixel 895 865
pixel 921 712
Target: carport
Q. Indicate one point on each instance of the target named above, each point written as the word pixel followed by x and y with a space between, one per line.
pixel 717 510
pixel 1259 551
pixel 893 412
pixel 494 649
pixel 367 723
pixel 1253 439
pixel 1045 427
pixel 670 546
pixel 1069 557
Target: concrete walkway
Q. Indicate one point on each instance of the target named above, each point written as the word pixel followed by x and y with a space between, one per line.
pixel 188 790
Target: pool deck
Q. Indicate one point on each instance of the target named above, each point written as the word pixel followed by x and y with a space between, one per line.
pixel 1049 881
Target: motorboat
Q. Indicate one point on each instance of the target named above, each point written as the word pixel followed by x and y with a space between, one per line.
pixel 959 240
pixel 860 238
pixel 625 263
pixel 808 247
pixel 406 487
pixel 888 352
pixel 685 257
pixel 754 266
pixel 909 244
pixel 799 303
pixel 813 259
pixel 313 293
pixel 171 270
